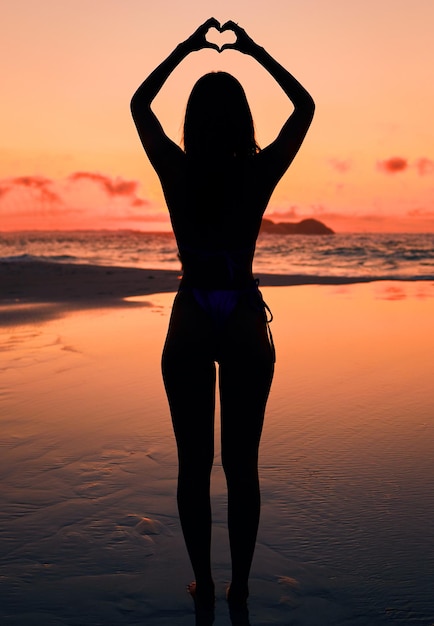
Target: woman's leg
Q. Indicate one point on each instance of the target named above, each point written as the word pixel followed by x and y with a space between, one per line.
pixel 189 378
pixel 246 372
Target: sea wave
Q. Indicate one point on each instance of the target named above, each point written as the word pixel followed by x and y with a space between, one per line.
pixel 395 256
pixel 54 258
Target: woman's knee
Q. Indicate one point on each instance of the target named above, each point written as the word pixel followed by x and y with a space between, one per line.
pixel 240 468
pixel 195 470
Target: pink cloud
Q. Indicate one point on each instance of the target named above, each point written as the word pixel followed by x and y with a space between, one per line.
pixel 393 165
pixel 139 202
pixel 284 214
pixel 420 213
pixel 340 165
pixel 38 184
pixel 425 166
pixel 37 201
pixel 51 191
pixel 318 209
pixel 4 190
pixel 113 187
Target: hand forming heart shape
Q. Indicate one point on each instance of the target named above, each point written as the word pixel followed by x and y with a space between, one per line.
pixel 220 37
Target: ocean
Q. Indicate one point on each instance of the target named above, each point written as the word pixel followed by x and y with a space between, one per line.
pixel 394 256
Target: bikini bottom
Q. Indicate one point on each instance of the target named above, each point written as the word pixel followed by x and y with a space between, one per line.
pixel 220 303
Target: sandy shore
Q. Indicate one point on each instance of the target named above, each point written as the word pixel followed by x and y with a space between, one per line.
pixel 88 522
pixel 66 282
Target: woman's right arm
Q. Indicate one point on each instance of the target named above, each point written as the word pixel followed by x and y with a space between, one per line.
pixel 279 154
pixel 156 143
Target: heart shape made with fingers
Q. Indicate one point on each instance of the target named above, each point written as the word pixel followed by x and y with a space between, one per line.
pixel 220 38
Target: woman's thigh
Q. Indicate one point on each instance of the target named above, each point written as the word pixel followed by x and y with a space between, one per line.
pixel 245 376
pixel 189 376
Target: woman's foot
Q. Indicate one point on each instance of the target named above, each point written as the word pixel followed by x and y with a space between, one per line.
pixel 236 596
pixel 203 596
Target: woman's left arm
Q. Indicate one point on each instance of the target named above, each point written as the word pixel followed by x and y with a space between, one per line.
pixel 277 157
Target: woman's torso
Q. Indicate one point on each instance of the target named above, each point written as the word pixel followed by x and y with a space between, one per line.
pixel 216 210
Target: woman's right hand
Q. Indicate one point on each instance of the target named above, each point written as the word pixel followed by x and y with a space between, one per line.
pixel 198 40
pixel 243 42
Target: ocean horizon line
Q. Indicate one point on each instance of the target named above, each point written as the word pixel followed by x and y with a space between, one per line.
pixel 169 231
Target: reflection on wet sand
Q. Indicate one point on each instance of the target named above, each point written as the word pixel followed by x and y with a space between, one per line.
pixel 88 466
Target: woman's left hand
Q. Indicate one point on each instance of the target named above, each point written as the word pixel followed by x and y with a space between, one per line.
pixel 243 43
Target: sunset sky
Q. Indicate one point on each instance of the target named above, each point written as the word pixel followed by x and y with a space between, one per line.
pixel 70 156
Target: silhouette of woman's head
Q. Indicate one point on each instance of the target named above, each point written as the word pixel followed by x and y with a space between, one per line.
pixel 218 121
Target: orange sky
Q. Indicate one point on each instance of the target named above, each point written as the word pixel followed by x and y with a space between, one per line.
pixel 70 156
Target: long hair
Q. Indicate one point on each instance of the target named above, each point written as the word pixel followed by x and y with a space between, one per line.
pixel 218 121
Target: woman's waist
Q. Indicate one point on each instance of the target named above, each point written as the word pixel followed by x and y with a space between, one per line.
pixel 219 268
pixel 202 278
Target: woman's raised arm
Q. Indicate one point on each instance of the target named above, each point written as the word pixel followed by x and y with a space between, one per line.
pixel 155 142
pixel 279 154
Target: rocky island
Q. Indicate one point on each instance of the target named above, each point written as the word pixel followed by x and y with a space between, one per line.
pixel 305 227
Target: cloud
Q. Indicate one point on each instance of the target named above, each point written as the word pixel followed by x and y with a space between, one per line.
pixel 318 209
pixel 140 202
pixel 340 165
pixel 425 166
pixel 393 165
pixel 284 214
pixel 71 201
pixel 51 191
pixel 113 187
pixel 4 189
pixel 420 213
pixel 37 184
pixel 396 164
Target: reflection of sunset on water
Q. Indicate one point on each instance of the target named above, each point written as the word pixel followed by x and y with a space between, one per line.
pixel 349 353
pixel 353 347
pixel 346 340
pixel 346 457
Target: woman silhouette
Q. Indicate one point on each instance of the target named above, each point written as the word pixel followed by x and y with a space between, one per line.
pixel 217 190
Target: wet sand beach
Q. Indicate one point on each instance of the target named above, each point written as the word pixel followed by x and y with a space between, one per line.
pixel 88 522
pixel 42 281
